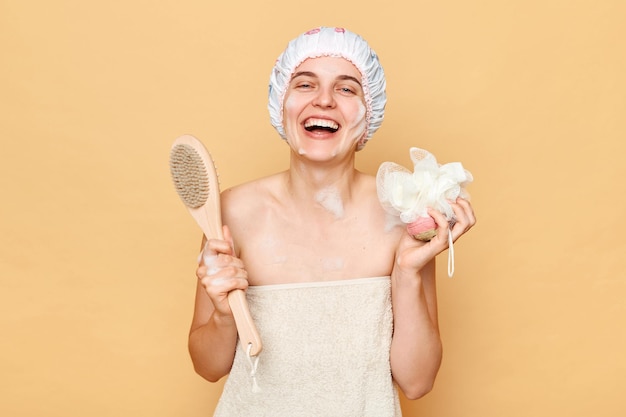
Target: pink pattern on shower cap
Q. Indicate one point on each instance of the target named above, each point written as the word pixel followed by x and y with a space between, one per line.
pixel 313 31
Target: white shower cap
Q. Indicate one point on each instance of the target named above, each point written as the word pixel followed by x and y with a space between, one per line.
pixel 333 42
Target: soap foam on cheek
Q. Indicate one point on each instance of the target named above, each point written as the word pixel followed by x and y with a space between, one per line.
pixel 288 105
pixel 362 111
pixel 357 126
pixel 359 120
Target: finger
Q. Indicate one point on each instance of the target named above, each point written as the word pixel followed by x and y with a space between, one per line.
pixel 220 246
pixel 217 289
pixel 212 249
pixel 218 262
pixel 439 218
pixel 460 217
pixel 469 211
pixel 442 227
pixel 463 209
pixel 464 218
pixel 224 283
pixel 201 271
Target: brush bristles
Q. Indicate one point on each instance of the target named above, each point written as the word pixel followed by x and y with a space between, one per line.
pixel 189 175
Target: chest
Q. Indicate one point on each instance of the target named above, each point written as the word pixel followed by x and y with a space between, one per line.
pixel 284 250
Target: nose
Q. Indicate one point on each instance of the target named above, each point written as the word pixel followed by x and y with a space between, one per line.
pixel 324 98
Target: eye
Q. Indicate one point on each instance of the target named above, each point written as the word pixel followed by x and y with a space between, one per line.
pixel 348 90
pixel 304 85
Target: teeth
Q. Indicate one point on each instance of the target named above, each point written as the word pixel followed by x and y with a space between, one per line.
pixel 325 123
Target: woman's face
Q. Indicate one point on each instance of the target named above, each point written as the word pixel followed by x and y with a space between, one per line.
pixel 324 109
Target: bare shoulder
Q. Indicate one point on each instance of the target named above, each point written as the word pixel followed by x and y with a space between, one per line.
pixel 369 195
pixel 376 212
pixel 248 200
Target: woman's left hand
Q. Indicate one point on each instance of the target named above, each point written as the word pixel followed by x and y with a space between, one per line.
pixel 413 254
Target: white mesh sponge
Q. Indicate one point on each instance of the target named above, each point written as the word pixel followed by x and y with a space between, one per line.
pixel 409 194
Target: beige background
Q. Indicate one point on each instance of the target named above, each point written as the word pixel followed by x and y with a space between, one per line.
pixel 97 253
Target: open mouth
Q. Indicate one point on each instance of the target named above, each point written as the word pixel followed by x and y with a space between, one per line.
pixel 321 125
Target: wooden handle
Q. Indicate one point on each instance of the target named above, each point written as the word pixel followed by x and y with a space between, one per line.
pixel 248 335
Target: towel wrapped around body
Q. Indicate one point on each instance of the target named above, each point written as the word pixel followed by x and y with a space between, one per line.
pixel 326 352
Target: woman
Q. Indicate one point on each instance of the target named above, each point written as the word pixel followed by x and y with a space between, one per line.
pixel 343 297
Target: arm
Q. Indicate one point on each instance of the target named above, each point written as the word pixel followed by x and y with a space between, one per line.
pixel 213 334
pixel 416 349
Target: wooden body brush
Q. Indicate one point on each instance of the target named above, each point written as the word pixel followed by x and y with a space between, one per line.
pixel 196 182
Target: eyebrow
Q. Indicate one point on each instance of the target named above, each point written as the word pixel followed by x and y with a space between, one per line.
pixel 312 74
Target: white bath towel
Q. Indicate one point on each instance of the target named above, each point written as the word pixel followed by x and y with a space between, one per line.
pixel 325 352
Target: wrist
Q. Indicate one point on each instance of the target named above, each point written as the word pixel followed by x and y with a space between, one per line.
pixel 406 277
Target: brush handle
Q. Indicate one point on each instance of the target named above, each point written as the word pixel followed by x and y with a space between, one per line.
pixel 248 335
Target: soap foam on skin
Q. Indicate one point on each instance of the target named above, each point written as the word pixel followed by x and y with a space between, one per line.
pixel 332 264
pixel 271 244
pixel 288 105
pixel 360 118
pixel 330 200
pixel 392 222
pixel 210 261
pixel 358 125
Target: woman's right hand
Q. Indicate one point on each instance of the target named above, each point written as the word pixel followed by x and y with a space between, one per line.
pixel 220 271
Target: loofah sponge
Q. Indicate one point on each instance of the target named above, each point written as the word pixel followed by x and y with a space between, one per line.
pixel 409 195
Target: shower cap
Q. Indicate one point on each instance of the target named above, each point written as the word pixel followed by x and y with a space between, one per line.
pixel 332 42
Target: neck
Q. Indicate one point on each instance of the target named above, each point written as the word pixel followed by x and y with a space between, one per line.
pixel 324 185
